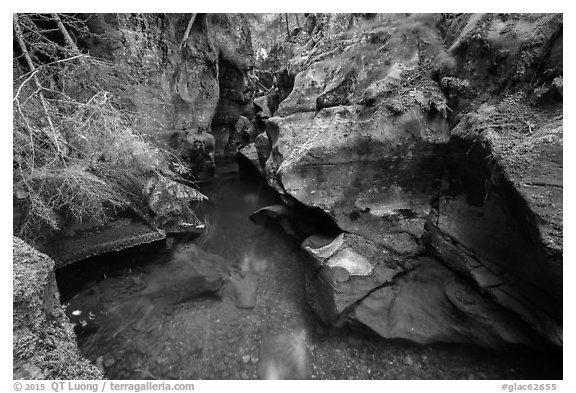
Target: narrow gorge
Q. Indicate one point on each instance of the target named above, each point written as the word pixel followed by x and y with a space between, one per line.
pixel 221 196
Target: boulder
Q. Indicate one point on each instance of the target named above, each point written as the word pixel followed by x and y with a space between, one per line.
pixel 190 273
pixel 375 177
pixel 248 161
pixel 263 149
pixel 342 272
pixel 170 202
pixel 241 134
pixel 262 102
pixel 307 86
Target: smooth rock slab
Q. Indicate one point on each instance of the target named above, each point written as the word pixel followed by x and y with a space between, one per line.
pixel 431 304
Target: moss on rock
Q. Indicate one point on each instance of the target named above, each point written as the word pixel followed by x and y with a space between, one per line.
pixel 44 345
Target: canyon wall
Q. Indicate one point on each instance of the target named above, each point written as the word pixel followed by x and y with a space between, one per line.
pixel 435 143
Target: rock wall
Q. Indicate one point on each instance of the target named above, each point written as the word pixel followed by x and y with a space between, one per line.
pixel 435 143
pixel 44 345
pixel 187 80
pixel 500 200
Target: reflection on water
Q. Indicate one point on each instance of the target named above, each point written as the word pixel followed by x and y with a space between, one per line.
pixel 231 305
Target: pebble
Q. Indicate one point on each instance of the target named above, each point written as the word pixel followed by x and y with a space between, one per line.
pixel 243 375
pixel 254 359
pixel 100 364
pixel 109 361
pixel 408 360
pixel 245 359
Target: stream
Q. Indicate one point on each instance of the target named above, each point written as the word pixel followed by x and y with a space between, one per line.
pixel 134 320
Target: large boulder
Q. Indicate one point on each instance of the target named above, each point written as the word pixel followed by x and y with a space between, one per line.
pixel 374 177
pixel 44 345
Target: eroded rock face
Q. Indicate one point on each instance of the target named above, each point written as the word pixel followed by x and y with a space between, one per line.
pixel 365 136
pixel 178 88
pixel 44 345
pixel 368 174
pixel 499 218
pixel 194 84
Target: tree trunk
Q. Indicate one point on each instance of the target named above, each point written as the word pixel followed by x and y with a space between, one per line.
pixel 69 42
pixel 26 54
pixel 287 28
pixel 187 32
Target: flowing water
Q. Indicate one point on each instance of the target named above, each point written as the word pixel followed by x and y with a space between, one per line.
pixel 148 313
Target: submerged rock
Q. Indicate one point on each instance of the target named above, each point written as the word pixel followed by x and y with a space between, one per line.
pixel 284 356
pixel 241 288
